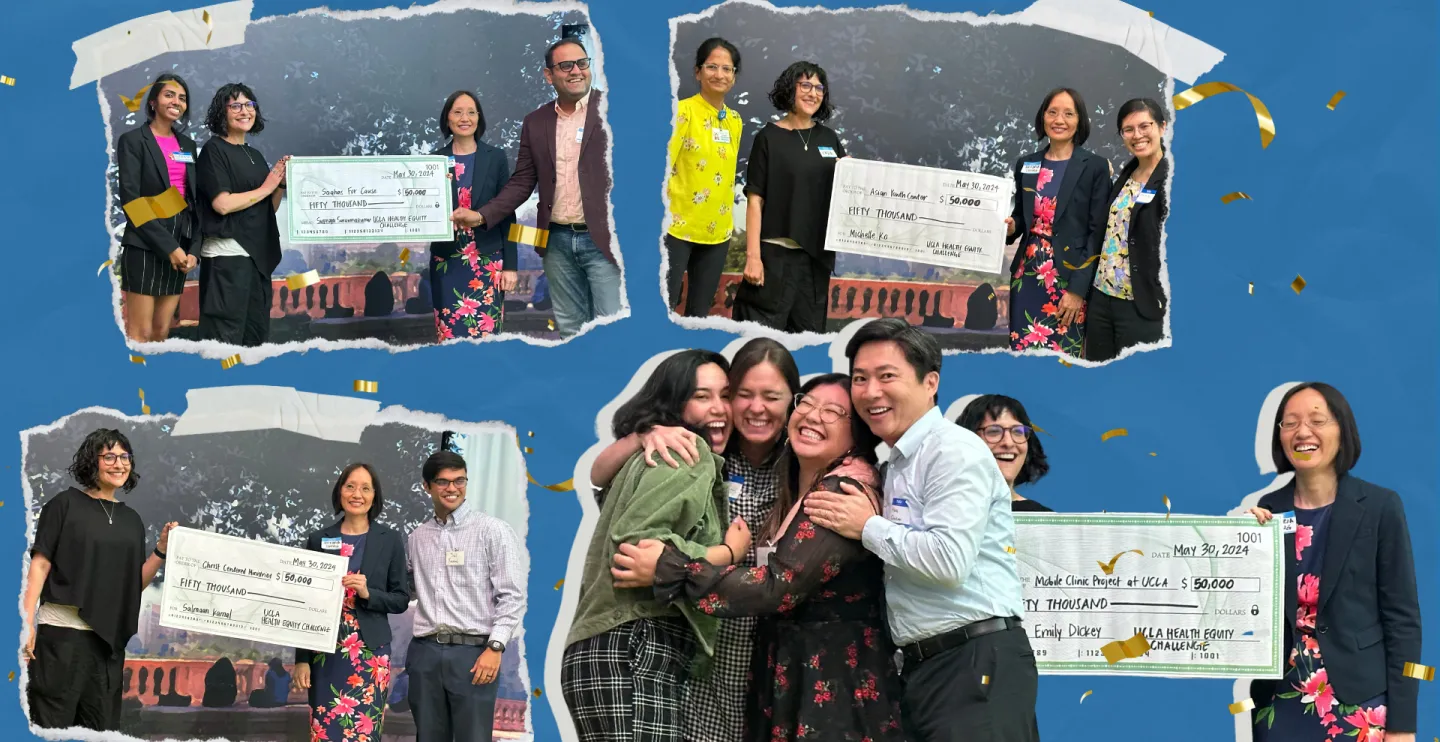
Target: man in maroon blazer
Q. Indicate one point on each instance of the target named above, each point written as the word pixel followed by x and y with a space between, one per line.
pixel 562 150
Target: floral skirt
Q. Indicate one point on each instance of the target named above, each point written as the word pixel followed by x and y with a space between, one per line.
pixel 465 291
pixel 1035 292
pixel 1305 708
pixel 349 688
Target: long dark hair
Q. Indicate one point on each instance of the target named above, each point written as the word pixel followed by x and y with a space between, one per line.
pixel 996 405
pixel 85 467
pixel 862 447
pixel 754 353
pixel 661 401
pixel 155 90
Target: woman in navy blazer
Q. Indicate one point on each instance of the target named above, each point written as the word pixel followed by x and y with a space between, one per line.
pixel 1352 615
pixel 470 275
pixel 1057 225
pixel 356 676
pixel 156 254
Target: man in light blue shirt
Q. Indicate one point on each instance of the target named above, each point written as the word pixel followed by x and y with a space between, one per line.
pixel 951 583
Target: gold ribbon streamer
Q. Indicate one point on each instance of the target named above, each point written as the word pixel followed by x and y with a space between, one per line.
pixel 209 25
pixel 565 486
pixel 1110 568
pixel 1335 99
pixel 133 104
pixel 144 408
pixel 146 208
pixel 297 281
pixel 1205 90
pixel 1240 707
pixel 1116 433
pixel 368 387
pixel 103 266
pixel 1088 261
pixel 1298 284
pixel 11 82
pixel 1166 498
pixel 230 362
pixel 1234 196
pixel 1419 671
pixel 1135 646
pixel 1085 695
pixel 560 583
pixel 521 234
pixel 138 359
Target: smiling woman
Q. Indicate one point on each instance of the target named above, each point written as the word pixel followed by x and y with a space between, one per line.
pixel 1005 427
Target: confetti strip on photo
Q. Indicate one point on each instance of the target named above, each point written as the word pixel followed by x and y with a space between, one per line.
pixel 1110 568
pixel 145 209
pixel 1301 456
pixel 1088 261
pixel 1298 284
pixel 133 104
pixel 1135 646
pixel 144 408
pixel 1152 453
pixel 1419 671
pixel 103 266
pixel 537 692
pixel 405 255
pixel 12 676
pixel 1252 289
pixel 1085 695
pixel 521 234
pixel 560 583
pixel 1009 550
pixel 1166 498
pixel 7 81
pixel 565 486
pixel 1204 90
pixel 1066 363
pixel 550 323
pixel 1234 196
pixel 367 387
pixel 230 362
pixel 209 26
pixel 297 281
pixel 1240 707
pixel 1116 433
pixel 528 449
pixel 984 679
pixel 1335 99
pixel 530 433
pixel 138 359
pixel 991 297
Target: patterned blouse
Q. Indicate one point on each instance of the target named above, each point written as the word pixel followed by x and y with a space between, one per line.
pixel 704 152
pixel 1112 273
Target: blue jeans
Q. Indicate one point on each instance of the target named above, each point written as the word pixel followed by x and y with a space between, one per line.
pixel 584 284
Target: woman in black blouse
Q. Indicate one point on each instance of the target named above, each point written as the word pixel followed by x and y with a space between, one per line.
pixel 156 255
pixel 89 549
pixel 1005 427
pixel 239 195
pixel 787 188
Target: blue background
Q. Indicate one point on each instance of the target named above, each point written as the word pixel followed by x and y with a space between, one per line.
pixel 1344 198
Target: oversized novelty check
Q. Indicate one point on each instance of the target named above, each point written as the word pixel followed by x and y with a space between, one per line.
pixel 369 199
pixel 253 590
pixel 1203 590
pixel 921 214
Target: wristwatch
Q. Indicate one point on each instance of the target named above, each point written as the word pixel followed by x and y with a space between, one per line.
pixel 497 646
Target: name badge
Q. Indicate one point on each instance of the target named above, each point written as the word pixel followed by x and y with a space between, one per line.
pixel 719 135
pixel 579 134
pixel 898 510
pixel 1287 522
pixel 762 555
pixel 1030 168
pixel 734 487
pixel 826 152
pixel 451 163
pixel 329 544
pixel 182 156
pixel 1145 197
pixel 455 558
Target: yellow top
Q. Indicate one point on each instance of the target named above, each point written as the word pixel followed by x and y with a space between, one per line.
pixel 704 151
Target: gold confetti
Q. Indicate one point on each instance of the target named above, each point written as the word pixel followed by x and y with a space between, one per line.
pixel 1301 456
pixel 1088 261
pixel 11 82
pixel 528 449
pixel 537 692
pixel 1117 432
pixel 1234 196
pixel 405 255
pixel 367 387
pixel 565 486
pixel 1298 284
pixel 521 234
pixel 1240 707
pixel 138 359
pixel 297 281
pixel 230 362
pixel 133 104
pixel 1066 363
pixel 561 582
pixel 1252 289
pixel 1204 90
pixel 991 297
pixel 530 433
pixel 1152 453
pixel 1167 506
pixel 12 676
pixel 1419 671
pixel 1009 550
pixel 1131 648
pixel 984 679
pixel 103 266
pixel 144 408
pixel 142 210
pixel 1085 695
pixel 1110 568
pixel 1335 99
pixel 209 26
pixel 550 323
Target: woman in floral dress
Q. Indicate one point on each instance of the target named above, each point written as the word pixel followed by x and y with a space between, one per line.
pixel 348 688
pixel 470 275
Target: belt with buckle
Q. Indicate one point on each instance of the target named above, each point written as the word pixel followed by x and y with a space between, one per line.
pixel 927 648
pixel 469 640
pixel 579 227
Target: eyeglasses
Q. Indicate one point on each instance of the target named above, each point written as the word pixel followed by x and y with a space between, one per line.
pixel 444 484
pixel 810 87
pixel 828 413
pixel 569 66
pixel 1141 130
pixel 1315 423
pixel 351 488
pixel 1067 115
pixel 995 433
pixel 238 106
pixel 723 69
pixel 111 459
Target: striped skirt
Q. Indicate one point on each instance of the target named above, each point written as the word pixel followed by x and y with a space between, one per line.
pixel 146 273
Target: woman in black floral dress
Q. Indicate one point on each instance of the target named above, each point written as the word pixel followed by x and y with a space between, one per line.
pixel 822 668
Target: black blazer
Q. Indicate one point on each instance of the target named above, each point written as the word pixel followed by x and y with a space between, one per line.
pixel 1368 623
pixel 492 172
pixel 143 172
pixel 1146 222
pixel 1080 209
pixel 385 577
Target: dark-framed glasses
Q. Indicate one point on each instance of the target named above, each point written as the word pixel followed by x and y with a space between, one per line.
pixel 806 86
pixel 238 106
pixel 570 65
pixel 804 404
pixel 444 484
pixel 996 433
pixel 111 459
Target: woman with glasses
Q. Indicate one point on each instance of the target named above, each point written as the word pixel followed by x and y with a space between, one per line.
pixel 787 187
pixel 239 195
pixel 1005 427
pixel 349 686
pixel 1352 614
pixel 704 151
pixel 1127 307
pixel 1059 228
pixel 88 566
pixel 822 667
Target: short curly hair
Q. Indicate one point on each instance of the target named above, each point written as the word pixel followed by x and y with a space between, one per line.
pixel 215 119
pixel 782 96
pixel 995 405
pixel 85 467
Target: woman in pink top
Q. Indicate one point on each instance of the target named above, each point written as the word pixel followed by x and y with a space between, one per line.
pixel 157 253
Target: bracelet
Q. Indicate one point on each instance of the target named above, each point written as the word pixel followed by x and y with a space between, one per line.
pixel 159 553
pixel 732 553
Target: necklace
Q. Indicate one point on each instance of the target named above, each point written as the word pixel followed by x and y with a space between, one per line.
pixel 109 512
pixel 803 140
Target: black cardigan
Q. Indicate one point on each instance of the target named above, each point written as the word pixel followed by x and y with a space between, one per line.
pixel 1146 223
pixel 143 172
pixel 385 577
pixel 1080 209
pixel 1368 622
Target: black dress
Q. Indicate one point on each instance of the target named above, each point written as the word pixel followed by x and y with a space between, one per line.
pixel 1028 506
pixel 823 665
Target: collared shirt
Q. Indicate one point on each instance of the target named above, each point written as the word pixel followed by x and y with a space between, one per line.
pixel 944 534
pixel 703 153
pixel 467 574
pixel 569 132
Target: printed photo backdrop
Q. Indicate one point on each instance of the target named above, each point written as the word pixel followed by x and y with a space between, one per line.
pixel 1364 319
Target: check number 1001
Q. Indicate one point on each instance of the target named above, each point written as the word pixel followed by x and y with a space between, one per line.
pixel 1221 584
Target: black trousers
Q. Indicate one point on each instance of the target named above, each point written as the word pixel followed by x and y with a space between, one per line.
pixel 1112 325
pixel 74 680
pixel 704 263
pixel 793 298
pixel 981 691
pixel 234 301
pixel 446 704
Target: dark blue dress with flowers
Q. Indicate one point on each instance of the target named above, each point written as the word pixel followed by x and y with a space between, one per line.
pixel 1036 287
pixel 349 686
pixel 464 284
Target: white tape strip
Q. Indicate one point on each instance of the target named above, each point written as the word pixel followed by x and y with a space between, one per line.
pixel 1173 52
pixel 134 41
pixel 234 408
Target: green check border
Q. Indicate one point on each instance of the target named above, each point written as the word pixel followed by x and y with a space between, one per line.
pixel 441 236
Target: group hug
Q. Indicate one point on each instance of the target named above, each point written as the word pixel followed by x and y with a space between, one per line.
pixel 462 569
pixel 1085 279
pixel 754 568
pixel 231 193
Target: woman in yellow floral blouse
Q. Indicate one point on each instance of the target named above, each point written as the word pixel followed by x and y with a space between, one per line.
pixel 703 157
